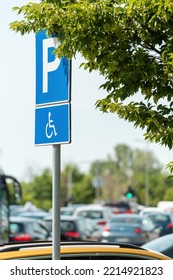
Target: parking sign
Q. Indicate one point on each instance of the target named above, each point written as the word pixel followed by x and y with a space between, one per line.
pixel 52 124
pixel 52 73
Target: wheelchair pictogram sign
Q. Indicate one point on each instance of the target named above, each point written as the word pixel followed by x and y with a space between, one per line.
pixel 52 124
pixel 50 129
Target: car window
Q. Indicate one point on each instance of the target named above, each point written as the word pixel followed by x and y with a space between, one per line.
pixel 67 226
pixel 127 220
pixel 91 214
pixel 118 204
pixel 160 244
pixel 38 228
pixel 15 228
pixel 67 211
pixel 160 218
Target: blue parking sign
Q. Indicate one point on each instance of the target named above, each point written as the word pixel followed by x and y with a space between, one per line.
pixel 52 124
pixel 52 73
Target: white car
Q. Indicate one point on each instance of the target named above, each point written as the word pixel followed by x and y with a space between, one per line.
pixel 98 214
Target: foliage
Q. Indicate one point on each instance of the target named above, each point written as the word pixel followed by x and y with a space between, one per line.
pixel 83 191
pixel 170 166
pixel 129 42
pixel 129 167
pixel 39 190
pixel 114 171
pixel 76 187
pixel 168 195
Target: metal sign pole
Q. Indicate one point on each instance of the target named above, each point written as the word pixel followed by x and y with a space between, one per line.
pixel 56 236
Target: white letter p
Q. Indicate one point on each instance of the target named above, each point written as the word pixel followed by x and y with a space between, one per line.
pixel 49 66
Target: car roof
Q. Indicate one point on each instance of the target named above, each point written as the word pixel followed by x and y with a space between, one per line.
pixel 70 218
pixel 33 213
pixel 64 218
pixel 91 207
pixel 73 206
pixel 81 248
pixel 24 219
pixel 158 213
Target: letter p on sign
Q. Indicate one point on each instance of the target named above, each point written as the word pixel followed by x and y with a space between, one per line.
pixel 49 66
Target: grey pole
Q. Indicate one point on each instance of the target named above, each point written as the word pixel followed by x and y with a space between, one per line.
pixel 56 203
pixel 147 185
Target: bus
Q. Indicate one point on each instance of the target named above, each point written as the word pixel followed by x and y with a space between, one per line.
pixel 10 191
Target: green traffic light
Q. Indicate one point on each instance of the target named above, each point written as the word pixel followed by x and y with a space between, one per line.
pixel 129 195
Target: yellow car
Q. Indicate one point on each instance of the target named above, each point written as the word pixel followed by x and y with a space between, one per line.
pixel 78 251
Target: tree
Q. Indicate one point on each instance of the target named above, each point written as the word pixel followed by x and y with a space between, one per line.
pixel 127 167
pixel 168 194
pixel 83 191
pixel 39 190
pixel 75 186
pixel 114 180
pixel 129 42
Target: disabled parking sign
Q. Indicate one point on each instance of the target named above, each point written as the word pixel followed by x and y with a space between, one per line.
pixel 52 124
pixel 52 113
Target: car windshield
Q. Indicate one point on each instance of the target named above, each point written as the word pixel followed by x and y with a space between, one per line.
pixel 92 214
pixel 67 226
pixel 127 220
pixel 67 212
pixel 122 205
pixel 159 218
pixel 160 244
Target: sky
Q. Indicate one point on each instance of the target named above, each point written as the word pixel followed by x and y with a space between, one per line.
pixel 94 134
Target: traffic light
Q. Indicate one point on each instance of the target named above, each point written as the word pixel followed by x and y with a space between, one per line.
pixel 130 193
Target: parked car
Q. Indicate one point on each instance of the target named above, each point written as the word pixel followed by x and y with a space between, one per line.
pixel 119 206
pixel 163 244
pixel 78 251
pixel 129 229
pixel 162 220
pixel 24 229
pixel 74 228
pixel 98 214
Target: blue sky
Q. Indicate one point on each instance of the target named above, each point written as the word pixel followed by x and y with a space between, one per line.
pixel 94 135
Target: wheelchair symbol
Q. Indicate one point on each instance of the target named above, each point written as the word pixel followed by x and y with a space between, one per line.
pixel 50 128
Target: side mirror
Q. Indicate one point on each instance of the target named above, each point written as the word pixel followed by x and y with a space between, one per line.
pixel 14 188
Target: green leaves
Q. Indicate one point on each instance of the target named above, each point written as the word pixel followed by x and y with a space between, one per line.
pixel 170 166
